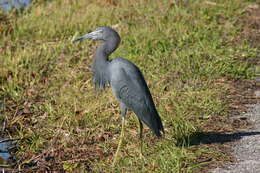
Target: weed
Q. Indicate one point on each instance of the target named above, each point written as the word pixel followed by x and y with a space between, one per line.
pixel 183 48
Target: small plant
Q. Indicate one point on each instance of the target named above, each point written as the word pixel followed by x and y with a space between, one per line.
pixel 185 50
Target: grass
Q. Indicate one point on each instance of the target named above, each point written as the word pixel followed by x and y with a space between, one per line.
pixel 184 49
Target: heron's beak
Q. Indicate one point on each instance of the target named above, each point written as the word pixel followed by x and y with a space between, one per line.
pixel 95 35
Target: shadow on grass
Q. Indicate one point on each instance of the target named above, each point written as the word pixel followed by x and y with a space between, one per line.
pixel 212 138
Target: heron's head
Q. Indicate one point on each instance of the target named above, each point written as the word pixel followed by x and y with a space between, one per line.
pixel 101 33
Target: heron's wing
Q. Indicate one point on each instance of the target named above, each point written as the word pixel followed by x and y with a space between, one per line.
pixel 132 90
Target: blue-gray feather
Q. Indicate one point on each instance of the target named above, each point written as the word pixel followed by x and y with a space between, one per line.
pixel 130 88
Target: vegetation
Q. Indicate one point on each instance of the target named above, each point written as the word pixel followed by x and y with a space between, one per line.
pixel 187 50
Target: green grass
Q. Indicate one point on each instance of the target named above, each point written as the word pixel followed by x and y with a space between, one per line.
pixel 182 48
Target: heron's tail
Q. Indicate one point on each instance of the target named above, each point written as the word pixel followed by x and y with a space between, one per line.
pixel 153 121
pixel 158 127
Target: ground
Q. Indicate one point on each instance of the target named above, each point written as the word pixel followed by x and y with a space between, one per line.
pixel 246 149
pixel 198 58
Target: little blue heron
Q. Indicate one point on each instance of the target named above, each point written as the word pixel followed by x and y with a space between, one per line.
pixel 127 83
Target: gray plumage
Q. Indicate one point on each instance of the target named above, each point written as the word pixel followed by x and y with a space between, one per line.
pixel 125 78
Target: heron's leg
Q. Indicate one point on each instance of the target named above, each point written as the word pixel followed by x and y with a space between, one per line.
pixel 123 113
pixel 141 137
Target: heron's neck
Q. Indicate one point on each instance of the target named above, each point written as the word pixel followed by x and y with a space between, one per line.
pixel 106 49
pixel 101 62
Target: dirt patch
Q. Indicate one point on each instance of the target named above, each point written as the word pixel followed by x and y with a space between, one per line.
pixel 60 158
pixel 246 151
pixel 220 132
pixel 251 25
pixel 5 25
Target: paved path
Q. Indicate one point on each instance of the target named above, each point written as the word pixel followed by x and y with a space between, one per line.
pixel 247 150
